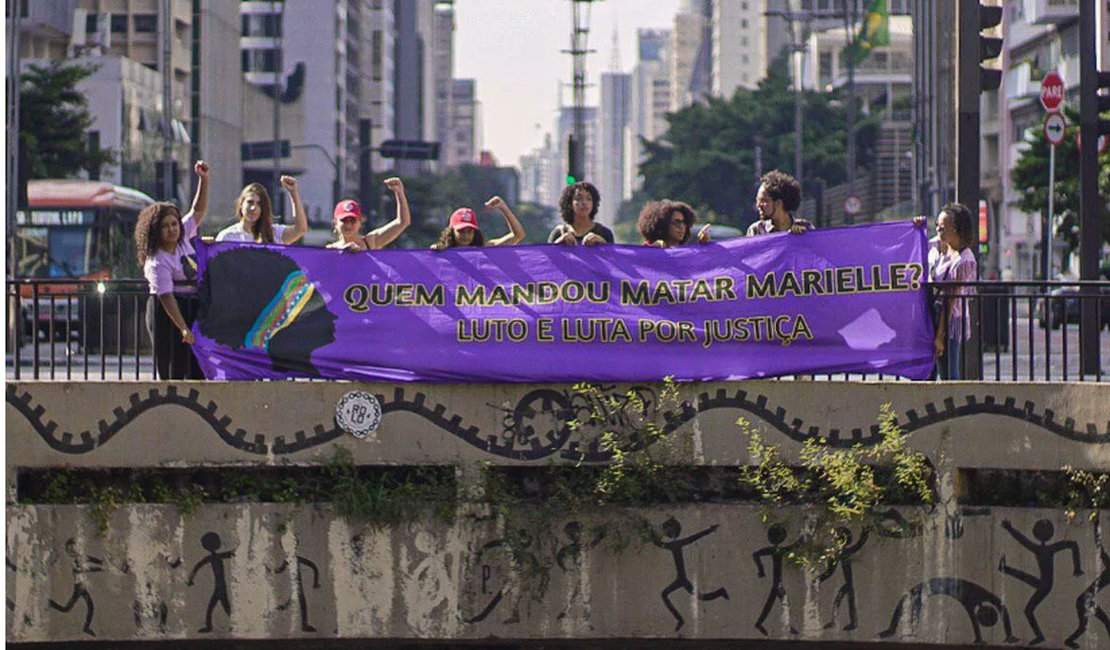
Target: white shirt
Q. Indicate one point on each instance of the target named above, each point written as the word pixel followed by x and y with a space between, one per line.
pixel 235 232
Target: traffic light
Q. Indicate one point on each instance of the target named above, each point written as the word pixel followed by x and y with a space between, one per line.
pixel 574 160
pixel 990 47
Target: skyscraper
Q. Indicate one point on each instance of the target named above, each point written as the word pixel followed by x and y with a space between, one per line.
pixel 616 109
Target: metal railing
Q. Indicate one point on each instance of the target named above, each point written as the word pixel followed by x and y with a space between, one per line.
pixel 78 329
pixel 95 330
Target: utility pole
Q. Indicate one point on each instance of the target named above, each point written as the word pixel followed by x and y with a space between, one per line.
pixel 276 202
pixel 14 82
pixel 798 47
pixel 1091 81
pixel 167 102
pixel 851 19
pixel 579 48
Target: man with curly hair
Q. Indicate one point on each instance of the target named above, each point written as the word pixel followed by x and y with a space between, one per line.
pixel 779 197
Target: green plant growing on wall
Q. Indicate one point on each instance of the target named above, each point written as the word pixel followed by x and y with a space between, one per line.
pixel 1089 490
pixel 837 487
pixel 644 469
pixel 387 500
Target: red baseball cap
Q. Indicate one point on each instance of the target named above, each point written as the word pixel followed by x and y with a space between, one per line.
pixel 464 218
pixel 346 209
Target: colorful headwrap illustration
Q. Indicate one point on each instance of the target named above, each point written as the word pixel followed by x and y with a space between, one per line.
pixel 259 299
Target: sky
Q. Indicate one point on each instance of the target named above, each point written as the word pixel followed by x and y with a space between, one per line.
pixel 513 48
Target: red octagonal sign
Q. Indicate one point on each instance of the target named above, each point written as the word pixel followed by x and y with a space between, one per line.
pixel 1052 91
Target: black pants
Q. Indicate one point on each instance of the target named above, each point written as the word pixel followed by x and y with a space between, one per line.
pixel 172 357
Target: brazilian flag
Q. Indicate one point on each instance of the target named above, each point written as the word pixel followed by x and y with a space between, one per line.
pixel 874 32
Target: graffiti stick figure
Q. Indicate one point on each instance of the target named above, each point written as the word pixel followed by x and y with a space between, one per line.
pixel 569 559
pixel 848 588
pixel 776 535
pixel 672 529
pixel 211 543
pixel 982 607
pixel 88 564
pixel 1086 604
pixel 1045 554
pixel 299 586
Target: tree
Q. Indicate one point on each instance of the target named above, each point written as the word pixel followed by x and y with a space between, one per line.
pixel 707 156
pixel 53 119
pixel 1030 179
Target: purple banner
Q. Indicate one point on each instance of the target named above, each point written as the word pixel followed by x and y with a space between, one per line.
pixel 827 301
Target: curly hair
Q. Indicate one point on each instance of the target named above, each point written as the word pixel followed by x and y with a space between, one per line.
pixel 263 226
pixel 781 186
pixel 447 239
pixel 960 217
pixel 566 201
pixel 148 229
pixel 655 219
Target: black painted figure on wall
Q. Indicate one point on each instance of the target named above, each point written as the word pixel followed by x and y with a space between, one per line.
pixel 569 559
pixel 1087 603
pixel 211 543
pixel 523 553
pixel 983 607
pixel 848 589
pixel 1046 567
pixel 81 565
pixel 672 529
pixel 298 584
pixel 11 566
pixel 776 535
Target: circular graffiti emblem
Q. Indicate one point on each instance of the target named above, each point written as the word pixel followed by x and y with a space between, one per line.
pixel 358 413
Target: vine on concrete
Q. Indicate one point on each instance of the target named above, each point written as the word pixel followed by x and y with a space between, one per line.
pixel 837 488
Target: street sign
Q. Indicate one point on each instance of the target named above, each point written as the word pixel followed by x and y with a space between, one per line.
pixel 1102 142
pixel 1052 91
pixel 1055 128
pixel 410 149
pixel 263 150
pixel 853 205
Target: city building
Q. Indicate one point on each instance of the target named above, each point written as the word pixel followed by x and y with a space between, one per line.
pixel 883 83
pixel 46 28
pixel 541 174
pixel 136 31
pixel 739 45
pixel 216 97
pixel 446 86
pixel 125 99
pixel 459 145
pixel 650 98
pixel 317 75
pixel 380 109
pixel 691 53
pixel 614 116
pixel 414 88
pixel 1038 37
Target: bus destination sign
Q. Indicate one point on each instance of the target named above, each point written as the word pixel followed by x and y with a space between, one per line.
pixel 55 217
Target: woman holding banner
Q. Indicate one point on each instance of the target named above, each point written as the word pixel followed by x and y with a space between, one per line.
pixel 668 223
pixel 578 207
pixel 463 230
pixel 169 262
pixel 256 218
pixel 955 264
pixel 348 223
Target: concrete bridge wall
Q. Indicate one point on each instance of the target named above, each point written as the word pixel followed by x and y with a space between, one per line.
pixel 289 572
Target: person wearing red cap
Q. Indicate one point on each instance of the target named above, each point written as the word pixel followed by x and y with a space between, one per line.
pixel 463 228
pixel 348 223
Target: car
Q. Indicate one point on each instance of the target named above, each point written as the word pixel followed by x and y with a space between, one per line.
pixel 1064 307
